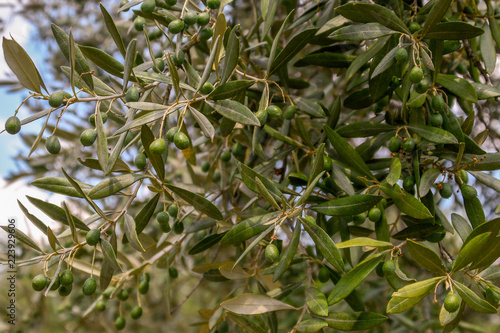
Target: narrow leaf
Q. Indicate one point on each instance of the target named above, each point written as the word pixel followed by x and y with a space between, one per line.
pixel 197 201
pixel 351 205
pixel 352 279
pixel 425 257
pixel 324 243
pixel 474 301
pixel 110 186
pixel 316 302
pixel 252 304
pixel 131 232
pixel 235 111
pixel 21 64
pixel 109 254
pixel 288 254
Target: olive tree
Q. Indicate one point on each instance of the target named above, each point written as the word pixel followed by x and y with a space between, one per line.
pixel 269 166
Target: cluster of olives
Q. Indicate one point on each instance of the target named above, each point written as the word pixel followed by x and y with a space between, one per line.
pixel 122 296
pixel 64 282
pixel 275 112
pixel 189 18
pixel 163 219
pixel 52 144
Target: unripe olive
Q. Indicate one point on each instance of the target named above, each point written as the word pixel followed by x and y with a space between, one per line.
pixel 401 55
pixel 414 27
pixel 93 237
pixel 261 116
pixel 452 303
pixel 416 74
pixel 179 58
pixel 108 292
pixel 165 228
pixel 213 4
pixel 327 163
pixel 173 210
pixel 216 176
pixel 409 183
pixel 323 275
pixel 206 88
pixel 438 103
pixel 468 10
pixel 179 227
pixel 65 290
pixel 136 312
pixel 100 305
pixel 359 218
pixel 56 284
pixel 468 192
pixel 132 94
pixel 206 33
pixel 171 2
pixel 389 267
pixel 67 278
pixel 274 112
pixel 289 112
pixel 88 137
pixel 173 273
pixel 148 6
pixel 190 17
pixel 39 282
pixel 53 145
pixel 422 86
pixel 395 144
pixel 436 119
pixel 140 161
pixel 225 156
pixel 176 26
pixel 120 323
pixel 89 287
pixel 162 218
pixel 237 149
pixel 160 65
pixel 205 166
pixel 104 118
pixel 143 287
pixel 408 145
pixel 158 146
pixel 139 23
pixel 374 214
pixel 203 19
pixel 171 133
pixel 181 140
pixel 446 190
pixel 271 253
pixel 122 295
pixel 56 99
pixel 12 125
pixel 463 177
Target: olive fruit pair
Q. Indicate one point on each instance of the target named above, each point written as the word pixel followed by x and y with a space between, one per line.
pixel 180 139
pixel 163 221
pixel 395 144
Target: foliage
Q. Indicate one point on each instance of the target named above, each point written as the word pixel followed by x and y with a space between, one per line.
pixel 270 125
